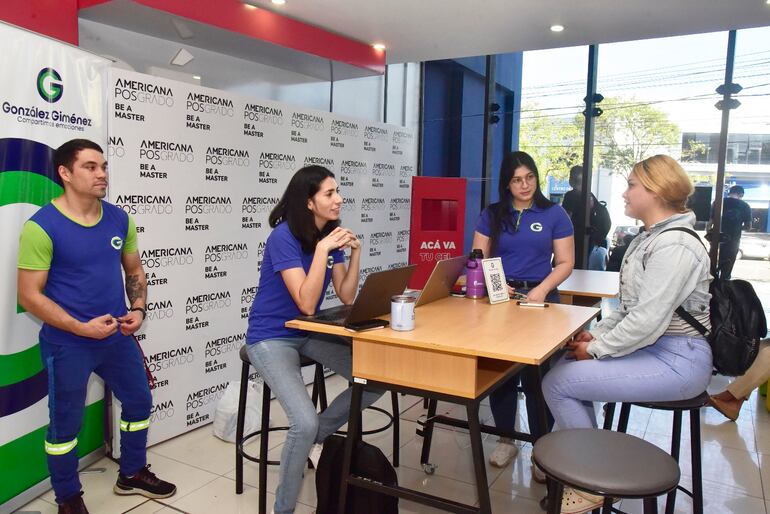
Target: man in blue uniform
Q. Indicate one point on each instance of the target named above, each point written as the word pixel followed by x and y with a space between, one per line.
pixel 71 254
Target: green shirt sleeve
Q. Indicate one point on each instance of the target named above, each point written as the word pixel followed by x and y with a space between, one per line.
pixel 132 244
pixel 35 248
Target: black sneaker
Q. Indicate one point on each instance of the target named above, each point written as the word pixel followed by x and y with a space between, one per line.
pixel 73 505
pixel 145 483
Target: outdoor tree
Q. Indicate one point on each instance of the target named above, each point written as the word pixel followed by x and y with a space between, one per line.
pixel 627 132
pixel 555 143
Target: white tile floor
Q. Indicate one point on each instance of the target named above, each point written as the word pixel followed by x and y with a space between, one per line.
pixel 736 466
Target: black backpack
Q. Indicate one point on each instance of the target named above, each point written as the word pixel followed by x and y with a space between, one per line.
pixel 737 322
pixel 600 223
pixel 370 463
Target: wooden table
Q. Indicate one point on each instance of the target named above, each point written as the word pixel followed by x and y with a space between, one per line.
pixel 587 287
pixel 459 351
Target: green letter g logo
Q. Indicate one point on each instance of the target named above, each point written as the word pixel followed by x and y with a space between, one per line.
pixel 116 242
pixel 49 85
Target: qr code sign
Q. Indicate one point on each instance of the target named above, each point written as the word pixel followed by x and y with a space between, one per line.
pixel 497 283
pixel 495 279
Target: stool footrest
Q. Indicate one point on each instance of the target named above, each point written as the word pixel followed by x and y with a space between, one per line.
pixel 242 452
pixel 373 430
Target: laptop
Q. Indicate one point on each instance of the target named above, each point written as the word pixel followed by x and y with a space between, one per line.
pixel 373 300
pixel 441 280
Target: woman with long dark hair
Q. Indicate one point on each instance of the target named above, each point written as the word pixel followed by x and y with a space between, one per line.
pixel 303 253
pixel 526 230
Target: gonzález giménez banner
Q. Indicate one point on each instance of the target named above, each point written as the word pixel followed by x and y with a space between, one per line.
pixel 51 93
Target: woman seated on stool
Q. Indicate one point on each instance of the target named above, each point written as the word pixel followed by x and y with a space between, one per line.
pixel 525 229
pixel 643 351
pixel 303 253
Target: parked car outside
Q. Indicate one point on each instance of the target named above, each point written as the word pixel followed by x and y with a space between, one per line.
pixel 754 245
pixel 621 231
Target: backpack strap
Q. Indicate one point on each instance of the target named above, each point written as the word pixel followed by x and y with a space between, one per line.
pixel 677 229
pixel 687 230
pixel 694 323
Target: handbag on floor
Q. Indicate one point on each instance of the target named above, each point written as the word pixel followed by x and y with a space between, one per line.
pixel 370 463
pixel 226 414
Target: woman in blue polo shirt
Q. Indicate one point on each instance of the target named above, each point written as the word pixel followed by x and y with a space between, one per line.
pixel 526 230
pixel 303 253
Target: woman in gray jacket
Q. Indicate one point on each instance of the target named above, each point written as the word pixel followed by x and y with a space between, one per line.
pixel 643 351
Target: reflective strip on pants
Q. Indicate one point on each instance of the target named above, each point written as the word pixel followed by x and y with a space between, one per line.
pixel 134 426
pixel 60 448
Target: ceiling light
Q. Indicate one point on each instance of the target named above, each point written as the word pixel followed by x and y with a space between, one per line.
pixel 184 30
pixel 197 77
pixel 379 47
pixel 279 2
pixel 182 57
pixel 557 28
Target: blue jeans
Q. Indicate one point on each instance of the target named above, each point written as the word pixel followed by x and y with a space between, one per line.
pixel 597 258
pixel 121 367
pixel 504 400
pixel 277 361
pixel 673 368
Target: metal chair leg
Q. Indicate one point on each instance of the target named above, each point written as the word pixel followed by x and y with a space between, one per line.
pixel 239 428
pixel 697 472
pixel 396 428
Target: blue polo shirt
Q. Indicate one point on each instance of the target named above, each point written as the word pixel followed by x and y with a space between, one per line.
pixel 273 305
pixel 527 252
pixel 84 264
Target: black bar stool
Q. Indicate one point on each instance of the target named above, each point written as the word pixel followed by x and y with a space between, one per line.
pixel 318 397
pixel 605 463
pixel 693 406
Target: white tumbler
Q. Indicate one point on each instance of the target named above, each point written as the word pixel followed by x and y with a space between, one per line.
pixel 402 312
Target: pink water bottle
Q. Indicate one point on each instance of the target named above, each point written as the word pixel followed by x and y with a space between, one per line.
pixel 474 276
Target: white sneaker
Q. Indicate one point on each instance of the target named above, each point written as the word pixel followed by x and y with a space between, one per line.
pixel 315 454
pixel 504 453
pixel 579 502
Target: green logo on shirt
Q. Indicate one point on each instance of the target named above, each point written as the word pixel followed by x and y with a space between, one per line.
pixel 330 262
pixel 116 242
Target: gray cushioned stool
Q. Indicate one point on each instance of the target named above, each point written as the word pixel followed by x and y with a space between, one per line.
pixel 693 406
pixel 610 464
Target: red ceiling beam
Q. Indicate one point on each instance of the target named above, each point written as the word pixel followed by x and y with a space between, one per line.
pixel 274 28
pixel 54 18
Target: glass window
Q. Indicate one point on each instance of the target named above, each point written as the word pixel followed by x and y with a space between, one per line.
pixel 659 97
pixel 553 87
pixel 750 166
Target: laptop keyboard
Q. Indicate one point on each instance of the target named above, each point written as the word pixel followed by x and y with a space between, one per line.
pixel 335 314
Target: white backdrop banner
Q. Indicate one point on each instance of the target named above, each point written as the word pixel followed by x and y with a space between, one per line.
pixel 200 170
pixel 50 93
